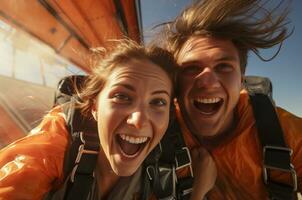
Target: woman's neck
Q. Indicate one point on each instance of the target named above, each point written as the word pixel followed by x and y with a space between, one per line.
pixel 105 176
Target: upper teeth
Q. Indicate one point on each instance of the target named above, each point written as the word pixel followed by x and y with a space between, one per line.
pixel 211 100
pixel 133 140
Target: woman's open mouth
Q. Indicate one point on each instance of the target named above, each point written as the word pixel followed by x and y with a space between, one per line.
pixel 208 106
pixel 130 146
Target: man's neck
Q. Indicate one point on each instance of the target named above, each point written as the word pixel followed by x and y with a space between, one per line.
pixel 211 142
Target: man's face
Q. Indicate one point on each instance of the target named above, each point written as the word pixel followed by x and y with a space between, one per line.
pixel 209 84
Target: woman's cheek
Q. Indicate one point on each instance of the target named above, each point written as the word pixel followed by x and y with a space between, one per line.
pixel 162 127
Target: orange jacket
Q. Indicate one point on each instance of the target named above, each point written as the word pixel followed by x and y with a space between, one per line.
pixel 39 168
pixel 239 157
pixel 33 165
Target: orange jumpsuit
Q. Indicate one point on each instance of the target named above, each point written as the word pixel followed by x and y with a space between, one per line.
pixel 239 157
pixel 33 165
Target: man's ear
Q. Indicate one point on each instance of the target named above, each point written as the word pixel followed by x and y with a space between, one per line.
pixel 94 112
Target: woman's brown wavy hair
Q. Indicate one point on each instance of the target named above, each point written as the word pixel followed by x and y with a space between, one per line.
pixel 103 62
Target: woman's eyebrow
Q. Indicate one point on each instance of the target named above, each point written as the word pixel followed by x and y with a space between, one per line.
pixel 130 87
pixel 125 85
pixel 161 91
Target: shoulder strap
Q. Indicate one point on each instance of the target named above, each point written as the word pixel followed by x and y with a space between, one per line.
pixel 276 154
pixel 80 157
pixel 182 159
pixel 161 166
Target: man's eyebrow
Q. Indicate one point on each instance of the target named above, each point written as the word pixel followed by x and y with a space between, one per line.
pixel 125 85
pixel 190 62
pixel 220 58
pixel 226 58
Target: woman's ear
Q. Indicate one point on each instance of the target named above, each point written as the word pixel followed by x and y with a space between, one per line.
pixel 94 112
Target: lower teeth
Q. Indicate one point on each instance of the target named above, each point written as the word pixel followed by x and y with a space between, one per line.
pixel 207 108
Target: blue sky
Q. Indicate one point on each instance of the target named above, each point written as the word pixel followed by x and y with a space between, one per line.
pixel 285 71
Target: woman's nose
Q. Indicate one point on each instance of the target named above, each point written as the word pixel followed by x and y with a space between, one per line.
pixel 137 119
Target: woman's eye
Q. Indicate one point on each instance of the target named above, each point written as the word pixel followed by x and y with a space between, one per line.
pixel 121 98
pixel 158 102
pixel 224 67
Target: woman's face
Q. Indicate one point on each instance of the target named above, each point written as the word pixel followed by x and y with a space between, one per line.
pixel 132 112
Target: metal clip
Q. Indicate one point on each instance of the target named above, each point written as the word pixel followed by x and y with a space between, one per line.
pixel 291 170
pixel 189 164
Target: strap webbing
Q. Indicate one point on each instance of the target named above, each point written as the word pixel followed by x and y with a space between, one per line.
pixel 82 175
pixel 161 172
pixel 276 154
pixel 267 121
pixel 81 158
pixel 80 188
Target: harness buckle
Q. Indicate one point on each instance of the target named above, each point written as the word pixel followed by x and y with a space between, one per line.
pixel 290 169
pixel 81 151
pixel 183 159
pixel 150 167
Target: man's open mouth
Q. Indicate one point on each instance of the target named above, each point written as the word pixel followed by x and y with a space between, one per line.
pixel 208 106
pixel 130 146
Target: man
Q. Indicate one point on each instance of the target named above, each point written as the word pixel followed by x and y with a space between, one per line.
pixel 211 41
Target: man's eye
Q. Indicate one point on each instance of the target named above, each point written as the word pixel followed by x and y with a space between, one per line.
pixel 190 69
pixel 121 98
pixel 224 67
pixel 159 102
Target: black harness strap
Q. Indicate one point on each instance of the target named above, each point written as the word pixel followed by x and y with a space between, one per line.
pixel 82 156
pixel 276 154
pixel 161 166
pixel 182 160
pixel 153 174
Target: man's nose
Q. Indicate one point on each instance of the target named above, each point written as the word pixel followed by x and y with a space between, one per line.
pixel 137 119
pixel 207 79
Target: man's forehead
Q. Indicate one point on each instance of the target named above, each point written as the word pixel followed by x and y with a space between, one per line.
pixel 223 49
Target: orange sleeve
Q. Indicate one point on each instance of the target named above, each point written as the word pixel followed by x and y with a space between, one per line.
pixel 292 127
pixel 31 166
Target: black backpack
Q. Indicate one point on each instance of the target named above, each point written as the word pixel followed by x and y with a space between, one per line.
pixel 159 168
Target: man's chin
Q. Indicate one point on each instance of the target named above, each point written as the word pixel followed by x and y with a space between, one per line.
pixel 204 128
pixel 202 133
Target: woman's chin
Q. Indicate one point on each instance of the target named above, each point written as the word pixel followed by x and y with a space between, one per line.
pixel 125 168
pixel 125 172
pixel 124 164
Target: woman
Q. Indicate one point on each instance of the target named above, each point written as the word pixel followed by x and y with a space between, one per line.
pixel 128 95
